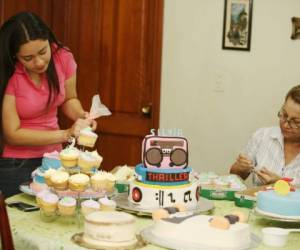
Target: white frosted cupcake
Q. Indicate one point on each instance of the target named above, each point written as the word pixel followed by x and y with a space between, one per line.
pixel 98 158
pixel 107 204
pixel 69 157
pixel 87 137
pixel 110 182
pixel 86 161
pixel 49 203
pixel 67 206
pixel 98 181
pixel 89 206
pixel 60 180
pixel 79 182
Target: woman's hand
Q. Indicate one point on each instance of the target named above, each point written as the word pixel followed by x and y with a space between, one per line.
pixel 78 125
pixel 93 123
pixel 266 176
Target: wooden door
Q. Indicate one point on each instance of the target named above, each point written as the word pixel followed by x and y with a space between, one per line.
pixel 117 45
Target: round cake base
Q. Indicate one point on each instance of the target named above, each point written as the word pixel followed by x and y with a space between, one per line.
pixel 80 240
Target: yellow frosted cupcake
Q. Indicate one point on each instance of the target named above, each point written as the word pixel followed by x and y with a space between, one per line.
pixel 49 203
pixel 48 175
pixel 69 157
pixel 67 206
pixel 89 206
pixel 79 182
pixel 60 180
pixel 110 182
pixel 87 137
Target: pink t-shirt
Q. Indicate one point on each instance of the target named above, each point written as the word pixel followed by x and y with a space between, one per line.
pixel 31 103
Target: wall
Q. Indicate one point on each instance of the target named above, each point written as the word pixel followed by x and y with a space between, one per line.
pixel 220 97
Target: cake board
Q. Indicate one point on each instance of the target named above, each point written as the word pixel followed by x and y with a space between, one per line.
pixel 78 239
pixel 276 217
pixel 149 237
pixel 204 206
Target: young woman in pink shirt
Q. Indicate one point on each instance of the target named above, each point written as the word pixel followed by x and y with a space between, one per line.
pixel 37 75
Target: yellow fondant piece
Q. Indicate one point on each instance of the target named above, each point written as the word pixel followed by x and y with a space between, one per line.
pixel 282 187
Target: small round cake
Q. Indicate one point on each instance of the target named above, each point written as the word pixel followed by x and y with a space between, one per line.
pixel 86 162
pixel 107 204
pixel 48 175
pixel 79 182
pixel 89 206
pixel 110 229
pixel 87 137
pixel 69 157
pixel 98 158
pixel 67 206
pixel 98 181
pixel 59 180
pixel 49 203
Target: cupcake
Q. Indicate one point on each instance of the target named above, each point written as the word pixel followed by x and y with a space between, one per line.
pixel 79 182
pixel 89 206
pixel 40 195
pixel 86 162
pixel 67 206
pixel 48 175
pixel 110 182
pixel 107 204
pixel 51 160
pixel 49 203
pixel 98 181
pixel 87 137
pixel 60 180
pixel 69 157
pixel 98 158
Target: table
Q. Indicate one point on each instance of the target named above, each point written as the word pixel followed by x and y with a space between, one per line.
pixel 30 232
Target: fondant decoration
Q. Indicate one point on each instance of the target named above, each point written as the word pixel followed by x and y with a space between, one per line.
pixel 165 152
pixel 282 187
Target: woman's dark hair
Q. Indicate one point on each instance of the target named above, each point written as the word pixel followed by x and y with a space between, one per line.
pixel 16 31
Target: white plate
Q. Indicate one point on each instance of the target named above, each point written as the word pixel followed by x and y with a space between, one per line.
pixel 204 205
pixel 276 217
pixel 148 236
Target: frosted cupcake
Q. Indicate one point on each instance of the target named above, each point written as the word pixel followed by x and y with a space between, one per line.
pixel 48 175
pixel 67 206
pixel 89 206
pixel 79 182
pixel 107 204
pixel 98 158
pixel 110 182
pixel 51 160
pixel 87 137
pixel 98 181
pixel 49 203
pixel 86 162
pixel 69 157
pixel 40 195
pixel 60 180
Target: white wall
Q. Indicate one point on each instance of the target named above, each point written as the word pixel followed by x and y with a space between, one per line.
pixel 219 123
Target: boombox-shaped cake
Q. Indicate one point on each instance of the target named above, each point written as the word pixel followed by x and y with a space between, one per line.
pixel 163 179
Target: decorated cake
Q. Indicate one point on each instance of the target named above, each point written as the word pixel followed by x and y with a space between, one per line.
pixel 184 230
pixel 163 177
pixel 110 230
pixel 281 200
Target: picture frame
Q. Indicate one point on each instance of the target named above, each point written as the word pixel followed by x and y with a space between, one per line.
pixel 237 24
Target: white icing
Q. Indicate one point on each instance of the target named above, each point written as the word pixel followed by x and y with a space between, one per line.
pixel 196 231
pixel 109 228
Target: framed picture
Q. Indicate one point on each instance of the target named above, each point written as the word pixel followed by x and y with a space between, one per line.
pixel 237 24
